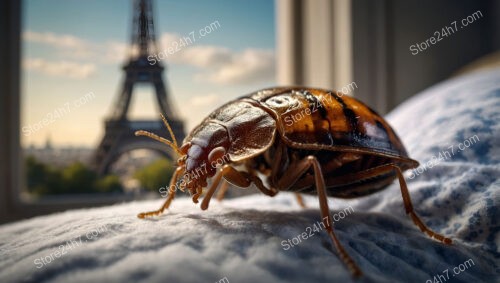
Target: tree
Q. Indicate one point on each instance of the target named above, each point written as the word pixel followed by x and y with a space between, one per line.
pixel 155 175
pixel 43 179
pixel 109 184
pixel 78 179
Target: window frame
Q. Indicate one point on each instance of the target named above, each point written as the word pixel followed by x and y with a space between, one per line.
pixel 13 205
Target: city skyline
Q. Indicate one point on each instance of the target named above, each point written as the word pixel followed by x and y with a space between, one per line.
pixel 71 72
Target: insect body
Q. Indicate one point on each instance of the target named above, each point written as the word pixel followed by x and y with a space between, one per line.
pixel 301 140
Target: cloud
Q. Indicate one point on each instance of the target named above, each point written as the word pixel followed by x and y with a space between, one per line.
pixel 167 38
pixel 204 100
pixel 199 107
pixel 198 56
pixel 70 46
pixel 215 64
pixel 247 67
pixel 115 52
pixel 60 68
pixel 62 41
pixel 221 65
pixel 204 57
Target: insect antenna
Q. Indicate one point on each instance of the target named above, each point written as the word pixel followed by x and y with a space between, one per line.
pixel 172 144
pixel 169 129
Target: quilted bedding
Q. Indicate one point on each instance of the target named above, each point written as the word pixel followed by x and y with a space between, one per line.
pixel 453 129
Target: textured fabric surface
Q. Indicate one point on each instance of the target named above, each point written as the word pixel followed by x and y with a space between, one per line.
pixel 247 239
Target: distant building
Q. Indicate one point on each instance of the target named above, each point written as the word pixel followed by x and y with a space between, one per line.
pixel 59 157
pixel 48 144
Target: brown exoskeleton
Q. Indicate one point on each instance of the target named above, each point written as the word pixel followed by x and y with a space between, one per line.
pixel 302 140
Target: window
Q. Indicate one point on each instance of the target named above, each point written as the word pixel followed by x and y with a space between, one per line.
pixel 67 84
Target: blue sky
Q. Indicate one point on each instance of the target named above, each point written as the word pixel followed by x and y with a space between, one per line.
pixel 72 48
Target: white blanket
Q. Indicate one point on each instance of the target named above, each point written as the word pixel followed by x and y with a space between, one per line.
pixel 262 239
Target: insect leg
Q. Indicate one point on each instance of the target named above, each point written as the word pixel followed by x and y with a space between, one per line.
pixel 277 161
pixel 294 172
pixel 222 190
pixel 198 193
pixel 252 176
pixel 225 171
pixel 238 178
pixel 171 194
pixel 258 183
pixel 300 200
pixel 409 209
pixel 384 169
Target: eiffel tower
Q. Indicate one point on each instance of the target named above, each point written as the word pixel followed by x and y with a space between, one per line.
pixel 119 135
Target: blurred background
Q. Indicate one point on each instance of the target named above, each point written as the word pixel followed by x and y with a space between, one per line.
pixel 79 77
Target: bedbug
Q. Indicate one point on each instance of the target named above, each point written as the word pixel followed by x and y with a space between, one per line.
pixel 296 139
